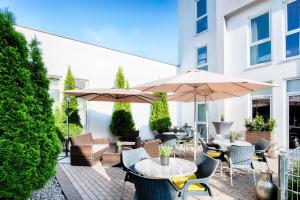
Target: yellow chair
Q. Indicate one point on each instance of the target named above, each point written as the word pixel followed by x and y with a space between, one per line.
pixel 180 182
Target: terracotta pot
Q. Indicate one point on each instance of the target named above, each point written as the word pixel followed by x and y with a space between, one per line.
pixel 253 137
pixel 164 160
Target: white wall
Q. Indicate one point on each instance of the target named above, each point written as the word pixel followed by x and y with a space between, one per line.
pixel 99 65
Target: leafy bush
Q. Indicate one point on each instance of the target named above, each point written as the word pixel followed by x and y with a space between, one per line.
pixel 294 183
pixel 121 122
pixel 259 124
pixel 160 117
pixel 122 119
pixel 28 141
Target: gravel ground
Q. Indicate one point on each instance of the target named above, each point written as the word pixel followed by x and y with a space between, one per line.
pixel 51 191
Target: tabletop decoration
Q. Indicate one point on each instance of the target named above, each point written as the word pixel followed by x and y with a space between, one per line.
pixel 232 136
pixel 164 152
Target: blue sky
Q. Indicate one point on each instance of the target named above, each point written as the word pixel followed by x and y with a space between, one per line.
pixel 147 28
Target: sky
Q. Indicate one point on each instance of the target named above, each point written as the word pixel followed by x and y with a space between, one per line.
pixel 147 28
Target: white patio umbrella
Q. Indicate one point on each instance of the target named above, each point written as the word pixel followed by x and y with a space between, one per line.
pixel 202 86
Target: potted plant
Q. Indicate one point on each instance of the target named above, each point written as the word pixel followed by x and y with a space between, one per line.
pixel 232 136
pixel 258 128
pixel 222 117
pixel 119 146
pixel 164 153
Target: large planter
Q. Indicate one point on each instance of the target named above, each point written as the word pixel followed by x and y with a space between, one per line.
pixel 265 188
pixel 253 137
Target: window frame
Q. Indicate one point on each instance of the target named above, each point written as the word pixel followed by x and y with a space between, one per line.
pixel 199 18
pixel 85 126
pixel 287 32
pixel 256 43
pixel 59 87
pixel 197 111
pixel 202 65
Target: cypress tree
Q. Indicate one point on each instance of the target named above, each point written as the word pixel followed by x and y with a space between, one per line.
pixel 122 119
pixel 22 158
pixel 160 116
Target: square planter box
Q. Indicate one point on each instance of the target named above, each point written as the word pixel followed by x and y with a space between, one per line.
pixel 252 137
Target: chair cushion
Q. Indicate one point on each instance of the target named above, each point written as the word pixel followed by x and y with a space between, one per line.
pixel 257 157
pixel 99 147
pixel 214 154
pixel 180 181
pixel 188 143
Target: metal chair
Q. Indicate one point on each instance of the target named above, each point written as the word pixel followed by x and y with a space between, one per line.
pixel 151 189
pixel 240 157
pixel 213 152
pixel 129 159
pixel 198 184
pixel 261 147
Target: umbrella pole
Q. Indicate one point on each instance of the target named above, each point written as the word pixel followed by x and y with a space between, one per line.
pixel 206 119
pixel 195 125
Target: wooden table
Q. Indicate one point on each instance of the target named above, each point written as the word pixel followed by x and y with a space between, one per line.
pixel 176 168
pixel 225 144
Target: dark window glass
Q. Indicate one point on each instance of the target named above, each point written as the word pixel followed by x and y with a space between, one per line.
pixel 293 15
pixel 201 8
pixel 261 107
pixel 260 27
pixel 202 56
pixel 293 45
pixel 260 53
pixel 201 25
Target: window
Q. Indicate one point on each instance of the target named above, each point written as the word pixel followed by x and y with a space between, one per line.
pixel 261 103
pixel 201 126
pixel 260 44
pixel 82 104
pixel 201 21
pixel 202 58
pixel 54 91
pixel 293 29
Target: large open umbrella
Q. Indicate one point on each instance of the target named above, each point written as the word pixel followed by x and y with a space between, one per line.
pixel 201 86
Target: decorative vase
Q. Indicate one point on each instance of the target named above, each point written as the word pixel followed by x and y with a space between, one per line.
pixel 273 151
pixel 232 139
pixel 164 160
pixel 265 188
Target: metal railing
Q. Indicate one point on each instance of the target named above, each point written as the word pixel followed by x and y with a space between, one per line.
pixel 289 175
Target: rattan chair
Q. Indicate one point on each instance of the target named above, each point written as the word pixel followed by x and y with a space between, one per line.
pixel 153 189
pixel 129 159
pixel 198 184
pixel 240 157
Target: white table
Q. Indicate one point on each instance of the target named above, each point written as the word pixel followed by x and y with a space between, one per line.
pixel 176 168
pixel 225 144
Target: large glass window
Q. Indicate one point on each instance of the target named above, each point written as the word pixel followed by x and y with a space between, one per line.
pixel 261 103
pixel 82 104
pixel 201 22
pixel 201 126
pixel 202 58
pixel 293 29
pixel 260 44
pixel 54 91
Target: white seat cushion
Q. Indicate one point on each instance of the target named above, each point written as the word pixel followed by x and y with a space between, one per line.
pixel 99 147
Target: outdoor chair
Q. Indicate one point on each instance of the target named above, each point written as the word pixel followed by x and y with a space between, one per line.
pixel 155 134
pixel 129 136
pixel 151 146
pixel 213 152
pixel 153 189
pixel 240 157
pixel 169 140
pixel 198 184
pixel 129 159
pixel 261 147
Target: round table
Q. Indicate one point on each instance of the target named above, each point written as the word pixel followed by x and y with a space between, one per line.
pixel 176 168
pixel 224 144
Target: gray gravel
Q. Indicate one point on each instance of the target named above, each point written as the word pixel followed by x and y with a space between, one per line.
pixel 52 191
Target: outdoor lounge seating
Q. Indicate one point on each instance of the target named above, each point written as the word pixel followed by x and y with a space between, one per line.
pixel 261 147
pixel 211 151
pixel 198 184
pixel 129 136
pixel 86 151
pixel 240 157
pixel 151 146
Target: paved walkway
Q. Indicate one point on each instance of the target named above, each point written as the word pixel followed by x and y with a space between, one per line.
pixel 98 182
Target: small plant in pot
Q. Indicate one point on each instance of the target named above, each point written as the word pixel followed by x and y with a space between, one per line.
pixel 119 146
pixel 232 136
pixel 164 152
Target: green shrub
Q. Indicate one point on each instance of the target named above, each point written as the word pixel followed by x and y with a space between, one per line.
pixel 122 119
pixel 258 124
pixel 121 122
pixel 294 182
pixel 159 116
pixel 28 141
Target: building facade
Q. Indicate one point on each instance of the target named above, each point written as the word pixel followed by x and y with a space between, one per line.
pixel 253 39
pixel 96 67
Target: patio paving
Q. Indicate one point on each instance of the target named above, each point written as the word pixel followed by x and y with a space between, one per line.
pixel 99 183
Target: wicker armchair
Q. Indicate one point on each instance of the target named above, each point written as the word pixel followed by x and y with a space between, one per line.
pixel 151 146
pixel 86 151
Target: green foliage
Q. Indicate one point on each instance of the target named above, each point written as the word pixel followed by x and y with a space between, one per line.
pixel 164 151
pixel 122 119
pixel 28 142
pixel 160 117
pixel 121 122
pixel 294 182
pixel 259 124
